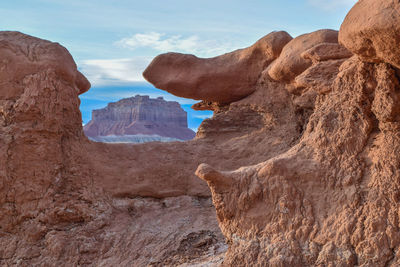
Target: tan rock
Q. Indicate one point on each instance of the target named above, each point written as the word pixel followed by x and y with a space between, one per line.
pixel 23 55
pixel 67 201
pixel 330 197
pixel 290 63
pixel 222 79
pixel 320 76
pixel 326 51
pixel 371 30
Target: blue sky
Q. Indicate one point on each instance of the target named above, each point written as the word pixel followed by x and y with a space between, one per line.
pixel 113 41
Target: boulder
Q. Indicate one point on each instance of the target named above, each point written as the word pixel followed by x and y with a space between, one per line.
pixel 290 63
pixel 371 30
pixel 222 79
pixel 326 51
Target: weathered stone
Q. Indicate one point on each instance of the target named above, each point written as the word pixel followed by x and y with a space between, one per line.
pixel 371 30
pixel 222 79
pixel 290 63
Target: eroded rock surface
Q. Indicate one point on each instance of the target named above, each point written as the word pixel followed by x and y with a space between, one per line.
pixel 290 63
pixel 58 204
pixel 371 29
pixel 303 171
pixel 67 201
pixel 222 79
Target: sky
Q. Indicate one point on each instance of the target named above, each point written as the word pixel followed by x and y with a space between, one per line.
pixel 112 41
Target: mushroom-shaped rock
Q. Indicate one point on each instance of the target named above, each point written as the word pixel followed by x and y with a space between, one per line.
pixel 224 79
pixel 371 30
pixel 290 63
pixel 22 55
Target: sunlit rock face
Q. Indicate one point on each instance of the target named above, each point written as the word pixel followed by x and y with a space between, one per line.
pixel 300 171
pixel 139 115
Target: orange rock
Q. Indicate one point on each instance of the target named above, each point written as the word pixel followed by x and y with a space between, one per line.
pixel 371 30
pixel 326 51
pixel 222 79
pixel 290 63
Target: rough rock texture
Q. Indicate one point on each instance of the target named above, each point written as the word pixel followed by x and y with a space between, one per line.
pixel 140 115
pixel 290 63
pixel 67 201
pixel 57 207
pixel 326 51
pixel 222 79
pixel 371 30
pixel 332 199
pixel 302 172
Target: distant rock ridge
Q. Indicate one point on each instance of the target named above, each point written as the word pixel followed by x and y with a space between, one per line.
pixel 136 138
pixel 140 115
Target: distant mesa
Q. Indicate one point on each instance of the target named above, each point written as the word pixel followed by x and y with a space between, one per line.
pixel 139 119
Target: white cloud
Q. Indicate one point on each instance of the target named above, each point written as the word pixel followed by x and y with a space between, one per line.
pixel 114 95
pixel 206 116
pixel 331 4
pixel 114 71
pixel 102 72
pixel 176 43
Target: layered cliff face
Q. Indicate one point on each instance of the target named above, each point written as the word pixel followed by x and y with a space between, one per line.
pixel 140 115
pixel 303 165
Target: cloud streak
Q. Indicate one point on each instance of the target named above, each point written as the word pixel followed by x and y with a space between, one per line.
pixel 203 116
pixel 102 72
pixel 161 42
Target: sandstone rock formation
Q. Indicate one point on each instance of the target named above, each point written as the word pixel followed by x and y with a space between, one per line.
pixel 140 115
pixel 302 171
pixel 67 201
pixel 290 63
pixel 222 79
pixel 371 29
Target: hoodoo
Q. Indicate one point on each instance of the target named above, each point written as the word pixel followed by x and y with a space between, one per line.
pixel 299 165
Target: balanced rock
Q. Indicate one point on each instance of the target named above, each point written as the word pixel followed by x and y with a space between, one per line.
pixel 290 63
pixel 371 30
pixel 222 79
pixel 140 115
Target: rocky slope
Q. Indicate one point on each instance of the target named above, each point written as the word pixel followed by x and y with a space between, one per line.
pixel 303 166
pixel 139 115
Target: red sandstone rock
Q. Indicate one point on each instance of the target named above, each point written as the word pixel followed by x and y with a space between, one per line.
pixel 326 51
pixel 290 63
pixel 371 30
pixel 320 76
pixel 308 180
pixel 140 115
pixel 67 201
pixel 223 79
pixel 331 198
